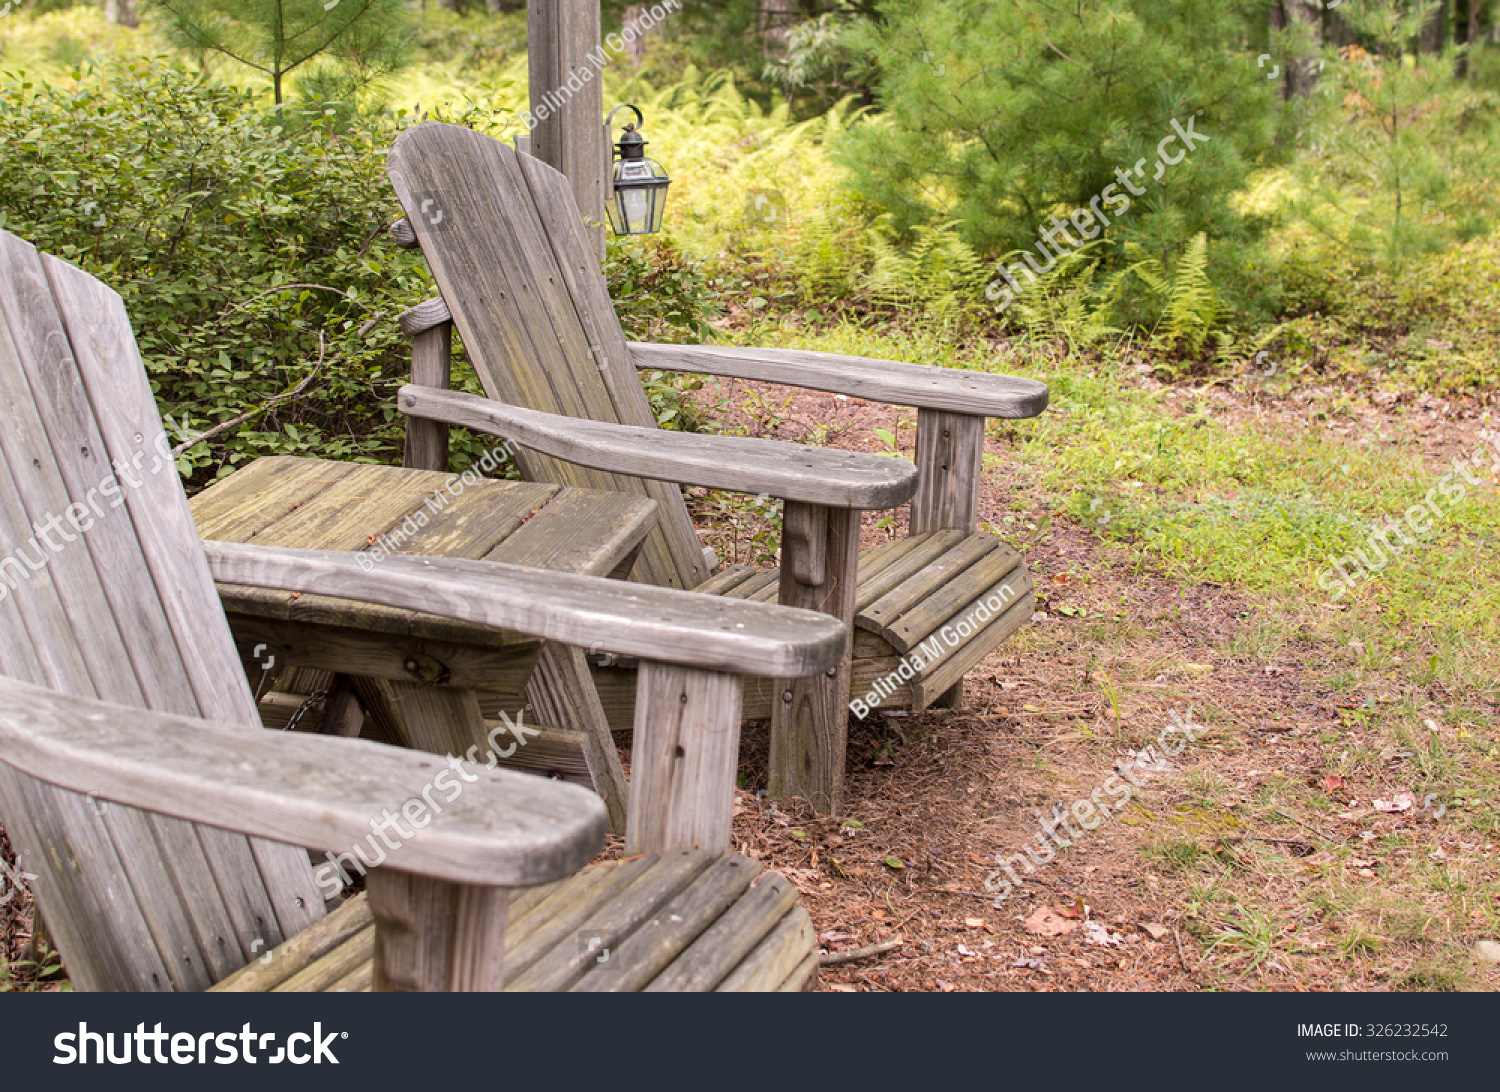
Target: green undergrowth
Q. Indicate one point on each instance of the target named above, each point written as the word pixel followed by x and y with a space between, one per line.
pixel 1263 503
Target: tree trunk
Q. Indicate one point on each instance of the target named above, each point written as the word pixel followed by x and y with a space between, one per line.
pixel 635 43
pixel 450 5
pixel 1301 71
pixel 777 17
pixel 1465 32
pixel 1435 30
pixel 497 6
pixel 120 12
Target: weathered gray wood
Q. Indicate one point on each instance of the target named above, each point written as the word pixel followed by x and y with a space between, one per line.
pixel 749 589
pixel 562 693
pixel 436 937
pixel 564 963
pixel 804 541
pixel 120 611
pixel 431 366
pixel 377 655
pixel 502 828
pixel 921 553
pixel 722 583
pixel 809 724
pixel 659 623
pixel 772 961
pixel 888 381
pixel 816 475
pixel 268 969
pixel 998 574
pixel 950 447
pixel 683 759
pixel 558 918
pixel 442 720
pixel 567 100
pixel 725 944
pixel 934 681
pixel 653 947
pixel 427 315
pixel 332 967
pixel 403 235
pixel 522 327
pixel 928 580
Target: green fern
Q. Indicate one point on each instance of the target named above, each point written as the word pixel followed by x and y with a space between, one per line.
pixel 1190 306
pixel 1065 303
pixel 938 272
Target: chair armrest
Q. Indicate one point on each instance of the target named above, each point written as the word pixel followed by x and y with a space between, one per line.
pixel 920 385
pixel 813 475
pixel 665 625
pixel 504 829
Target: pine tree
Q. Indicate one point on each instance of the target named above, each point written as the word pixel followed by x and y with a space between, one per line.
pixel 338 47
pixel 1008 117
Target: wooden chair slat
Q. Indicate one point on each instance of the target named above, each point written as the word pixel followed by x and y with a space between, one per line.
pixel 522 331
pixel 123 610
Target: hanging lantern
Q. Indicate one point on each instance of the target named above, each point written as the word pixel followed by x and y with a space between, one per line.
pixel 639 191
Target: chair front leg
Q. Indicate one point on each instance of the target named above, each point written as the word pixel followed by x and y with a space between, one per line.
pixel 683 759
pixel 432 936
pixel 810 722
pixel 950 449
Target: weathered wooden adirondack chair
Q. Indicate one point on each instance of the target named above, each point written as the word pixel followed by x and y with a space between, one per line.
pixel 503 237
pixel 158 821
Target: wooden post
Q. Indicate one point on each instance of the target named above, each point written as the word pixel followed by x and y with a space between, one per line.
pixel 950 456
pixel 568 87
pixel 436 937
pixel 810 717
pixel 430 327
pixel 687 745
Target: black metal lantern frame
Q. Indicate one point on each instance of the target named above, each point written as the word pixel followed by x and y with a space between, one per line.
pixel 638 194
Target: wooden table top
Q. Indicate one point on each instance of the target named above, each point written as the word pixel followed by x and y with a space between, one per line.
pixel 320 505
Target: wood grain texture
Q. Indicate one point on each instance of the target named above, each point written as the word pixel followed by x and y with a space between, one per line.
pixel 124 610
pixel 427 315
pixel 502 828
pixel 268 969
pixel 683 760
pixel 885 381
pixel 567 100
pixel 660 940
pixel 658 623
pixel 809 726
pixel 998 577
pixel 816 475
pixel 725 944
pixel 436 937
pixel 403 234
pixel 949 450
pixel 772 961
pixel 935 679
pixel 931 578
pixel 562 694
pixel 514 302
pixel 431 366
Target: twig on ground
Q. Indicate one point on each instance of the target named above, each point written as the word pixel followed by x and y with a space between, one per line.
pixel 834 958
pixel 1321 834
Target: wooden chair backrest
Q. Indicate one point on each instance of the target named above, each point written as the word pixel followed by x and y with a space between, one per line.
pixel 504 239
pixel 105 593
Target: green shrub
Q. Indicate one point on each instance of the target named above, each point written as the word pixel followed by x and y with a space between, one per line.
pixel 247 251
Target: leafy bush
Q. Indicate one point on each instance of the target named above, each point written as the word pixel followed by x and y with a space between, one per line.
pixel 250 252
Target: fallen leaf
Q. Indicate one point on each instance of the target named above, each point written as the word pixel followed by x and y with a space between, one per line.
pixel 1361 862
pixel 1402 801
pixel 1331 782
pixel 851 824
pixel 1029 964
pixel 974 923
pixel 1094 933
pixel 1047 922
pixel 1156 932
pixel 893 862
pixel 798 835
pixel 838 987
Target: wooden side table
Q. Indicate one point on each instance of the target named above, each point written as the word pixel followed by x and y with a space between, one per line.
pixel 410 678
